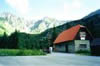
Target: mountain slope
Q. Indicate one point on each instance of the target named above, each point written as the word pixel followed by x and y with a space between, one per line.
pixel 45 24
pixel 97 12
pixel 11 22
pixel 28 26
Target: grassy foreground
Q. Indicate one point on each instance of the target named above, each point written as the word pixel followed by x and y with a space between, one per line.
pixel 20 52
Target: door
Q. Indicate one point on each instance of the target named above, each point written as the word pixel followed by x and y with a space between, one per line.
pixel 66 46
pixel 71 48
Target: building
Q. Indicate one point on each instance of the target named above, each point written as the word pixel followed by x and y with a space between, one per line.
pixel 73 39
pixel 95 47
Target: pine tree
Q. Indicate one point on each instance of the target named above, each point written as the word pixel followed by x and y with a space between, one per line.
pixel 54 35
pixel 4 41
pixel 14 40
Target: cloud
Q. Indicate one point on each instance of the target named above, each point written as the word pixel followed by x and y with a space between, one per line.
pixel 76 4
pixel 72 9
pixel 21 6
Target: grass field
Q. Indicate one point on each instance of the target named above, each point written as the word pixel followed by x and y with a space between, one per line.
pixel 20 52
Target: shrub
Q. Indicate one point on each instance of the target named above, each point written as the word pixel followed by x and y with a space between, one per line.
pixel 20 52
pixel 84 52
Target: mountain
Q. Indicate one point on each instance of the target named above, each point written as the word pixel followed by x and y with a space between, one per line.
pixel 97 12
pixel 46 23
pixel 9 23
pixel 92 21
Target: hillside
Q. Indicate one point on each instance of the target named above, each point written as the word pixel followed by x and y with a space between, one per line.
pixel 97 12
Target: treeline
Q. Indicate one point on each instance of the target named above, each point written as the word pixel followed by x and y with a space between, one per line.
pixel 19 40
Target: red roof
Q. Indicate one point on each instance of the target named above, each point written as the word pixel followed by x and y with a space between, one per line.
pixel 68 34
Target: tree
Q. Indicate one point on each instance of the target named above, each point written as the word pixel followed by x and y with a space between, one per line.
pixel 51 36
pixel 54 35
pixel 68 25
pixel 13 40
pixel 4 41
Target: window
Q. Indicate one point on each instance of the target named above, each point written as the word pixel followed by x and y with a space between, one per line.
pixel 82 46
pixel 82 35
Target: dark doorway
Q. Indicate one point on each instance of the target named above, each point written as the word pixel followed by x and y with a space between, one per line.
pixel 66 46
pixel 95 50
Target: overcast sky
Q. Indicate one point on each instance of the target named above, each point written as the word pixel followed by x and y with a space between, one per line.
pixel 59 9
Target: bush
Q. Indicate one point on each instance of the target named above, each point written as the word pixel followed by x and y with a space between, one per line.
pixel 20 52
pixel 84 52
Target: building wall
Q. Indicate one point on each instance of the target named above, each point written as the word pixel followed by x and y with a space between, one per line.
pixel 71 48
pixel 65 47
pixel 60 48
pixel 78 42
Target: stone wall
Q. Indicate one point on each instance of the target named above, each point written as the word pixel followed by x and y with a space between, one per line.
pixel 78 42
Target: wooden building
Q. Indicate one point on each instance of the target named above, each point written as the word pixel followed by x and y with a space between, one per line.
pixel 73 39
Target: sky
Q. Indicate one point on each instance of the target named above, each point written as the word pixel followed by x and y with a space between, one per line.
pixel 58 9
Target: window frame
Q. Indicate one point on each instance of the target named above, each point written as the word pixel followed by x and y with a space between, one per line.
pixel 83 46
